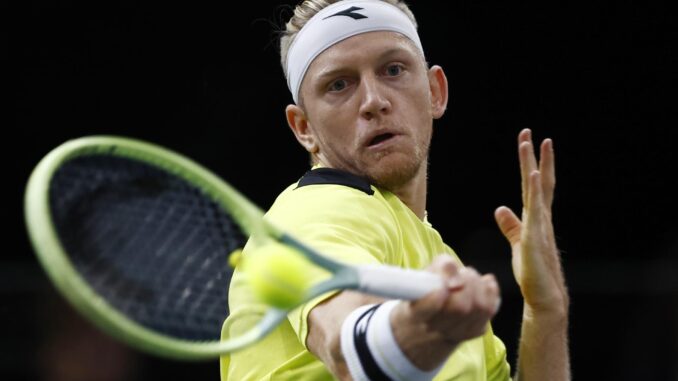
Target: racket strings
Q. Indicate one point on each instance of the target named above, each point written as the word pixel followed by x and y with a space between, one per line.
pixel 152 244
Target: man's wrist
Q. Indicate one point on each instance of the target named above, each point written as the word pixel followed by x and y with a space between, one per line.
pixel 548 323
pixel 555 312
pixel 371 351
pixel 424 348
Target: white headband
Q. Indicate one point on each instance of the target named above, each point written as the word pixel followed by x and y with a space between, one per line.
pixel 338 22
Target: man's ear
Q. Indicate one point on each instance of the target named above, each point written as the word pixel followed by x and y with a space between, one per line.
pixel 439 91
pixel 296 119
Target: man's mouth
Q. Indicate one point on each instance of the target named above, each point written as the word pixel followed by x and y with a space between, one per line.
pixel 381 138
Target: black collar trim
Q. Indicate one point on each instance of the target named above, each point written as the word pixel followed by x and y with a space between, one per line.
pixel 335 176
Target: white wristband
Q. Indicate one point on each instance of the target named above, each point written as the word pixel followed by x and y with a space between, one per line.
pixel 348 348
pixel 370 349
pixel 387 352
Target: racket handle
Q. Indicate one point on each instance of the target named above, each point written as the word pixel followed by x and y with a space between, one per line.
pixel 397 283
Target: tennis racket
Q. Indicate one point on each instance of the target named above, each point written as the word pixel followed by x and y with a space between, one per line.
pixel 137 238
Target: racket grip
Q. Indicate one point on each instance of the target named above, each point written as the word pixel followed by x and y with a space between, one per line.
pixel 397 283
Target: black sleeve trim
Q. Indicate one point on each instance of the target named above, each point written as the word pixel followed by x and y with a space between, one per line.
pixel 335 176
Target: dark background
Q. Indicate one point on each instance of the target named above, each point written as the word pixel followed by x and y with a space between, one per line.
pixel 599 77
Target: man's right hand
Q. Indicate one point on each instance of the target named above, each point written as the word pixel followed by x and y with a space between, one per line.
pixel 429 329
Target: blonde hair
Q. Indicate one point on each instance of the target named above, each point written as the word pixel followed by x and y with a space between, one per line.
pixel 309 8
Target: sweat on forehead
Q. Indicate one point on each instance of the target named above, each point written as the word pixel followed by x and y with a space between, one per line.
pixel 338 22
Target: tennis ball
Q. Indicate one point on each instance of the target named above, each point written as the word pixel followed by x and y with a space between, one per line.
pixel 235 257
pixel 278 275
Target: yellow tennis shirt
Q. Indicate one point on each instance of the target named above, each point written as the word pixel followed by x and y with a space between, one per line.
pixel 344 217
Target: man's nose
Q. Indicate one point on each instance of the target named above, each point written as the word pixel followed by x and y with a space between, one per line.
pixel 375 100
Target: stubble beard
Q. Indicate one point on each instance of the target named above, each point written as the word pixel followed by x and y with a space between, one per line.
pixel 395 170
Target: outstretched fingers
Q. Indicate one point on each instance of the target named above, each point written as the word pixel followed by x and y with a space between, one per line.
pixel 509 224
pixel 528 162
pixel 535 201
pixel 547 168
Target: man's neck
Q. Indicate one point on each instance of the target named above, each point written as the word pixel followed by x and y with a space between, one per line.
pixel 413 193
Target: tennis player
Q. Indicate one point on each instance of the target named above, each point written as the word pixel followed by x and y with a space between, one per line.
pixel 364 104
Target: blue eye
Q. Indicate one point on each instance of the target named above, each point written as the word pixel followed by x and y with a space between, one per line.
pixel 394 70
pixel 338 85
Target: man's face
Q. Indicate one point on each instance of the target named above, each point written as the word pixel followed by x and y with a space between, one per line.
pixel 367 101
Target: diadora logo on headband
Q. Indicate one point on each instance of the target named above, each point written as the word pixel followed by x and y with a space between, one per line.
pixel 350 13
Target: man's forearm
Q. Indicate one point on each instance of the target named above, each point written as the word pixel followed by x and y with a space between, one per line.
pixel 543 353
pixel 426 330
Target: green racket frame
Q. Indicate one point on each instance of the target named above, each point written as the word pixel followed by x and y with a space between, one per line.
pixel 76 290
